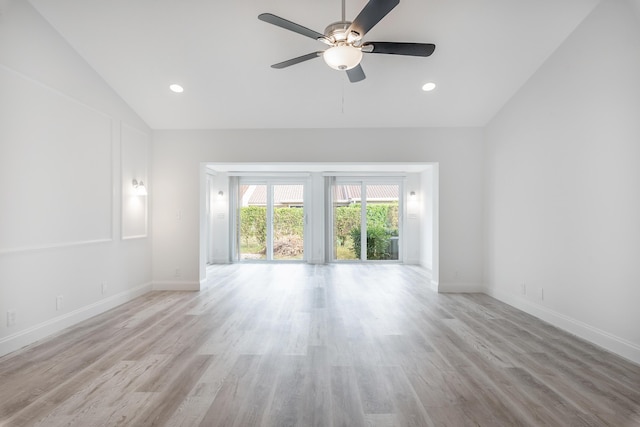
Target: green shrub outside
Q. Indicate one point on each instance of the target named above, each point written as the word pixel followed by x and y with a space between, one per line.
pixel 382 223
pixel 378 242
pixel 253 223
pixel 344 220
pixel 288 222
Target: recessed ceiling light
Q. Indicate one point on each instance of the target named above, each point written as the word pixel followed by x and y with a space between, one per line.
pixel 176 88
pixel 428 87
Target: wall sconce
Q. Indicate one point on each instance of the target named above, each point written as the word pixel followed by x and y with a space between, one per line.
pixel 220 194
pixel 139 188
pixel 412 195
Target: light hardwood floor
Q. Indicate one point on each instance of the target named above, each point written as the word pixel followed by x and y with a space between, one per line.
pixel 300 345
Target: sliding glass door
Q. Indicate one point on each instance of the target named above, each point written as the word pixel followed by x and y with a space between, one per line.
pixel 270 220
pixel 369 212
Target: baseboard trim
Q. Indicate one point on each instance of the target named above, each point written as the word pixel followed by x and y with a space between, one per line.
pixel 607 341
pixel 176 286
pixel 30 335
pixel 460 287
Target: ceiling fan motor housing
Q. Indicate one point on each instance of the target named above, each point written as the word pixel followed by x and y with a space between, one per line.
pixel 339 32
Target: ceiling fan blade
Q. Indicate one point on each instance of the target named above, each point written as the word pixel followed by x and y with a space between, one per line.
pixel 356 74
pixel 294 61
pixel 393 48
pixel 371 14
pixel 288 25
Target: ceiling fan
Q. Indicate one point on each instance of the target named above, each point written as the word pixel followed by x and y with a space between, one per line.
pixel 345 39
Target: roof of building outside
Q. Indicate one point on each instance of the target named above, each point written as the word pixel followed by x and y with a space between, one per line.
pixel 292 194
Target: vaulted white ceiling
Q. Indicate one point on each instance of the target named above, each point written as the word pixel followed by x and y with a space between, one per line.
pixel 221 53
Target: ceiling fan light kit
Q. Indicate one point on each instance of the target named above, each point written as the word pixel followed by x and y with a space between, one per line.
pixel 342 57
pixel 345 40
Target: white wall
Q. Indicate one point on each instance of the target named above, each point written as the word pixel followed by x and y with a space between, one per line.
pixel 411 225
pixel 428 202
pixel 563 202
pixel 68 145
pixel 218 250
pixel 177 157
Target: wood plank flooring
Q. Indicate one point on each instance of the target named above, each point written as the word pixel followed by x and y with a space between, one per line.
pixel 300 345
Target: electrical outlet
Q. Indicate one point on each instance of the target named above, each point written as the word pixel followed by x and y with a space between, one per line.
pixel 59 303
pixel 178 273
pixel 11 317
pixel 104 288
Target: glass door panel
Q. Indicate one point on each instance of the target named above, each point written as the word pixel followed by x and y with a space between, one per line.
pixel 288 221
pixel 252 221
pixel 346 221
pixel 382 203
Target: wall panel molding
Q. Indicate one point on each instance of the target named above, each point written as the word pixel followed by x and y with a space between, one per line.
pixel 54 247
pixel 55 168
